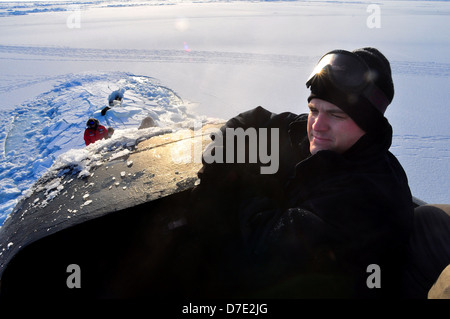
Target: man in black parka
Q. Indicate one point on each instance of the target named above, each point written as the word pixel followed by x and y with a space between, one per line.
pixel 335 218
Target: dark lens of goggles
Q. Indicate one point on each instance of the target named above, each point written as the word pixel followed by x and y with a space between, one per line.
pixel 91 123
pixel 344 69
pixel 349 74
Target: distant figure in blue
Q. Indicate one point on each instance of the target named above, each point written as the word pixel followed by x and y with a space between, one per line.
pixel 114 99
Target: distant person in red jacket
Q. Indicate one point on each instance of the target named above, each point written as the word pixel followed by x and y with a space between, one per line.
pixel 94 131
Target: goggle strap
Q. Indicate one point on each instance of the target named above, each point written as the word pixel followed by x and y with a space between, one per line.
pixel 376 97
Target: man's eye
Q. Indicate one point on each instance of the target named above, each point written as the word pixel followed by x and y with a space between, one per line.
pixel 338 116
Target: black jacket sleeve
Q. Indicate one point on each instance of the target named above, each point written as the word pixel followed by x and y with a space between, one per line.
pixel 247 177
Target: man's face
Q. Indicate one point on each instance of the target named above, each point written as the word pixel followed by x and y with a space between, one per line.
pixel 330 128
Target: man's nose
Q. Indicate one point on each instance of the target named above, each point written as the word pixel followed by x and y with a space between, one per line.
pixel 320 123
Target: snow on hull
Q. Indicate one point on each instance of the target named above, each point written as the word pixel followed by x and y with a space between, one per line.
pixel 79 188
pixel 37 132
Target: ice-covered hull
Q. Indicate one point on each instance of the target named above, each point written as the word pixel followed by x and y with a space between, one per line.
pixel 100 218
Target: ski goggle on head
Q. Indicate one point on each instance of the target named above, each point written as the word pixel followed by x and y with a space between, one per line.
pixel 351 75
